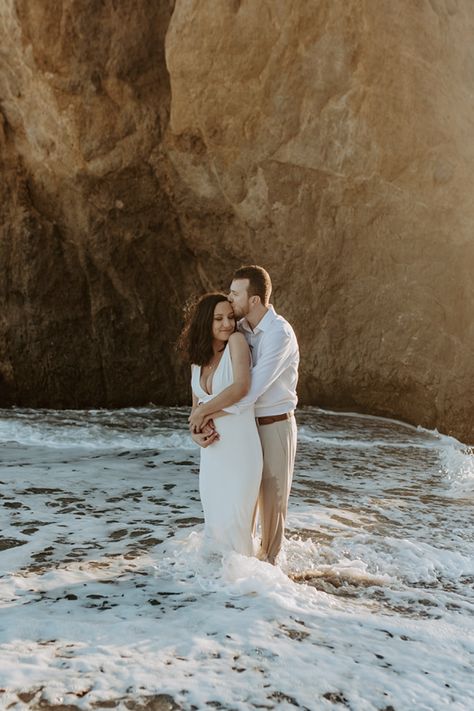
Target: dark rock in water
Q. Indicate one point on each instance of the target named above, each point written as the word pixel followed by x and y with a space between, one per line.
pixel 188 521
pixel 117 535
pixel 336 697
pixel 159 702
pixel 150 542
pixel 129 183
pixel 280 697
pixel 6 543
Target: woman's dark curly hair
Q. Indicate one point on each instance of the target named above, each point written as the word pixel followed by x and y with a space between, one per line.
pixel 195 341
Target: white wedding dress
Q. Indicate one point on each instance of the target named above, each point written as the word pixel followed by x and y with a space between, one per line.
pixel 230 470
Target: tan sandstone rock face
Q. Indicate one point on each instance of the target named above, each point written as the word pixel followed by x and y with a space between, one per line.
pixel 92 260
pixel 147 150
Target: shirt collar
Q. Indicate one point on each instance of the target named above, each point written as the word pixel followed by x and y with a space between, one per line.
pixel 263 324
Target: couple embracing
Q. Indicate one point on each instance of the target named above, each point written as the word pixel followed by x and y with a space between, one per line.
pixel 244 369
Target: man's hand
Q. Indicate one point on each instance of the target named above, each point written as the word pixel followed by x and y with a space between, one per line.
pixel 197 420
pixel 204 439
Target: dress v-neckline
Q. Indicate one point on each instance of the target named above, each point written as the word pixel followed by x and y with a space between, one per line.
pixel 213 376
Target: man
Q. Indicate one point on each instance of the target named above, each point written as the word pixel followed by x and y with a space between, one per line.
pixel 275 358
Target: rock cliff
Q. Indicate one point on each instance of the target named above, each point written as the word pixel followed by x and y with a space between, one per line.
pixel 147 149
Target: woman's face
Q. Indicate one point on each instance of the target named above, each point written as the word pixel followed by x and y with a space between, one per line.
pixel 223 323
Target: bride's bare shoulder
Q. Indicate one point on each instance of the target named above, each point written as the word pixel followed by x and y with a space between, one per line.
pixel 237 339
pixel 239 350
pixel 238 346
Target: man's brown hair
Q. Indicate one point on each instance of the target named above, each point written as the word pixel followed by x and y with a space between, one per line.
pixel 260 283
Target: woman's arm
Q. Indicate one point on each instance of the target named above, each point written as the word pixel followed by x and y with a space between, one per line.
pixel 240 356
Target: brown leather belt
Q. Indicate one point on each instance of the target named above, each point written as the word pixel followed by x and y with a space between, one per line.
pixel 270 419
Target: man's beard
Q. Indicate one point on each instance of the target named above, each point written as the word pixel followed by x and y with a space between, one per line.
pixel 240 312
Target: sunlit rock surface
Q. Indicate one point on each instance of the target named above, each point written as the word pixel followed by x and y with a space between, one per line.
pixel 147 150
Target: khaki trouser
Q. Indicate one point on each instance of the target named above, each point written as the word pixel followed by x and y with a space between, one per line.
pixel 279 447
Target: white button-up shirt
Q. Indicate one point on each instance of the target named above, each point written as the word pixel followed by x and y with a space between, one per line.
pixel 275 358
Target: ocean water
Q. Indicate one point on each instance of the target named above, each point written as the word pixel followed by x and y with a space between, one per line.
pixel 107 597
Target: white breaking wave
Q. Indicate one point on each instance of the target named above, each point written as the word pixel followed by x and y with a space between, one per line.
pixel 457 463
pixel 307 435
pixel 132 429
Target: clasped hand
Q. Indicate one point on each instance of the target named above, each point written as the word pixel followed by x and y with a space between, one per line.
pixel 207 436
pixel 197 420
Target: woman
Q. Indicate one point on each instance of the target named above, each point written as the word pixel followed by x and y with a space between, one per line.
pixel 231 466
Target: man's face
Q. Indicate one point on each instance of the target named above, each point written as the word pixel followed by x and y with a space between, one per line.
pixel 239 298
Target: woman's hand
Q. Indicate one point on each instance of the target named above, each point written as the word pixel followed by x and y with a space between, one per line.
pixel 206 437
